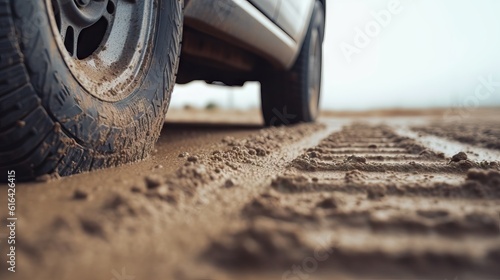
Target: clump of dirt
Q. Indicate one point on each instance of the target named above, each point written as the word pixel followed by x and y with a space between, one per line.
pixel 153 181
pixel 136 189
pixel 354 176
pixel 94 228
pixel 80 194
pixel 229 183
pixel 184 155
pixel 330 203
pixel 375 193
pixel 355 159
pixel 192 159
pixel 459 157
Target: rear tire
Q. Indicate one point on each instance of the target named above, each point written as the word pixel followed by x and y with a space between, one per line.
pixel 290 97
pixel 53 119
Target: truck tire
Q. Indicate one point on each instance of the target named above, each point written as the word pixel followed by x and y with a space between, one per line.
pixel 84 84
pixel 290 97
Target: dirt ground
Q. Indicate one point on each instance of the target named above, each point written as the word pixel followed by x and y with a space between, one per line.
pixel 378 195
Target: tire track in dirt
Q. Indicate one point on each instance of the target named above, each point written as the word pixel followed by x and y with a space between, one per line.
pixel 282 203
pixel 375 204
pixel 484 133
pixel 449 146
pixel 179 211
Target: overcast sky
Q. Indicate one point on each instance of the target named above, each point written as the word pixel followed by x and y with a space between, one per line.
pixel 428 53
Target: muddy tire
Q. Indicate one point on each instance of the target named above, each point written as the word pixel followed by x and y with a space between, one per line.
pixel 290 97
pixel 85 99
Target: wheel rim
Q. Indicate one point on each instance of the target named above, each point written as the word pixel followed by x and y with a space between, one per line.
pixel 104 42
pixel 314 73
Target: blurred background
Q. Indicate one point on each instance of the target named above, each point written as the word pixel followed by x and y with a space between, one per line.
pixel 429 54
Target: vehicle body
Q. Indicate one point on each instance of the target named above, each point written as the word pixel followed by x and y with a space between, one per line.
pixel 253 31
pixel 85 84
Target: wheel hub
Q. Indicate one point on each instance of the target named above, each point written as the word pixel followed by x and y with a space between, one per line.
pixel 82 3
pixel 104 43
pixel 77 17
pixel 83 13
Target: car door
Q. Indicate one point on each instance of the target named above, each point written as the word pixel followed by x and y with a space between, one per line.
pixel 294 16
pixel 268 7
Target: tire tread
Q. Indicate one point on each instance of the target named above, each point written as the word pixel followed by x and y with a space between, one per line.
pixel 34 140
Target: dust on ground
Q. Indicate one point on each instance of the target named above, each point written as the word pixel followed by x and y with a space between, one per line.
pixel 346 198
